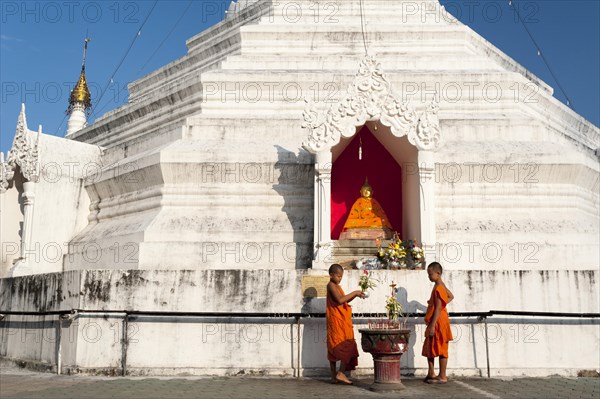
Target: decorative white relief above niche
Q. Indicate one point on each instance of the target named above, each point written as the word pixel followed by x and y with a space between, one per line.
pixel 370 98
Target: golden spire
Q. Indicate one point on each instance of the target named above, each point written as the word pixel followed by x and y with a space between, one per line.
pixel 81 93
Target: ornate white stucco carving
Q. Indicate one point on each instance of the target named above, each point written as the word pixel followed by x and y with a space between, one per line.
pixel 23 153
pixel 370 97
pixel 6 173
pixel 428 133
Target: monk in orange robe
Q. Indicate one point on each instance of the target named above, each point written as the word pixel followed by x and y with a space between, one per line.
pixel 367 214
pixel 340 332
pixel 438 332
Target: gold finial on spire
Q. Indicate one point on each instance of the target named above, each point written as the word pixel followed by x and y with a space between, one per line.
pixel 86 41
pixel 81 93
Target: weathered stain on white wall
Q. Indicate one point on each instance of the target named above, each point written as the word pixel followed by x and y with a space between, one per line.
pixel 231 345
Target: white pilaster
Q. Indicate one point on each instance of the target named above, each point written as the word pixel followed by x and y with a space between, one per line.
pixel 23 265
pixel 427 203
pixel 323 245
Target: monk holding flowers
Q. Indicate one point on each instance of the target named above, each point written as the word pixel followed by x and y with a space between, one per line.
pixel 340 331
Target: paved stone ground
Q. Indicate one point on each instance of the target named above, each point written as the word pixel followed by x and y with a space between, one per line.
pixel 18 383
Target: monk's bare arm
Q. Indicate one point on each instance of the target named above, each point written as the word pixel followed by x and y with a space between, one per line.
pixel 450 295
pixel 338 298
pixel 358 293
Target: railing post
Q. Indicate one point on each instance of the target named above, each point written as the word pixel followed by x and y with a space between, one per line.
pixel 59 346
pixel 124 345
pixel 487 349
pixel 298 348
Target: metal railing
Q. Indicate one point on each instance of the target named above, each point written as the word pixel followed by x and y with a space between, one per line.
pixel 69 315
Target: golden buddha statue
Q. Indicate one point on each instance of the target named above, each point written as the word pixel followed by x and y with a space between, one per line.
pixel 367 219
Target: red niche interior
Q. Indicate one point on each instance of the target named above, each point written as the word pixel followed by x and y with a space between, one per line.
pixel 348 175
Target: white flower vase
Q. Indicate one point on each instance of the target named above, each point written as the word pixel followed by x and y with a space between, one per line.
pixel 366 294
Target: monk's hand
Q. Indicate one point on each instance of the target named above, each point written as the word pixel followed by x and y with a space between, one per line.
pixel 429 331
pixel 359 293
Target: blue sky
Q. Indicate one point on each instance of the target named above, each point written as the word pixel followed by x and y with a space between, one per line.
pixel 41 48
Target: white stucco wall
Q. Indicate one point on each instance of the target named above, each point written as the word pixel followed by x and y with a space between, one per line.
pixel 60 209
pixel 232 345
pixel 11 218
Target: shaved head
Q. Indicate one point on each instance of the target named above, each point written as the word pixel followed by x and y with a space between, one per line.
pixel 335 268
pixel 436 267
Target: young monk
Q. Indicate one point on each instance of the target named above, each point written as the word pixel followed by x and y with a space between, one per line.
pixel 340 333
pixel 437 333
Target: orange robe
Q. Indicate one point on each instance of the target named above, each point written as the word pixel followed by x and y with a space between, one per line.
pixel 367 213
pixel 438 344
pixel 340 333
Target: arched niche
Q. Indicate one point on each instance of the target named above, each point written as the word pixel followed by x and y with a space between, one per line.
pixel 370 100
pixel 390 163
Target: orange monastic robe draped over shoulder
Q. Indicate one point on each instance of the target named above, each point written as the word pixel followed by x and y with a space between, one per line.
pixel 340 333
pixel 438 344
pixel 366 213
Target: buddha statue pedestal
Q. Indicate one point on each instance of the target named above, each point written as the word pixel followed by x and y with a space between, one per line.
pixel 366 234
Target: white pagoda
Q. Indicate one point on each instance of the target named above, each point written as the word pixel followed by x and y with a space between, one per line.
pixel 219 188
